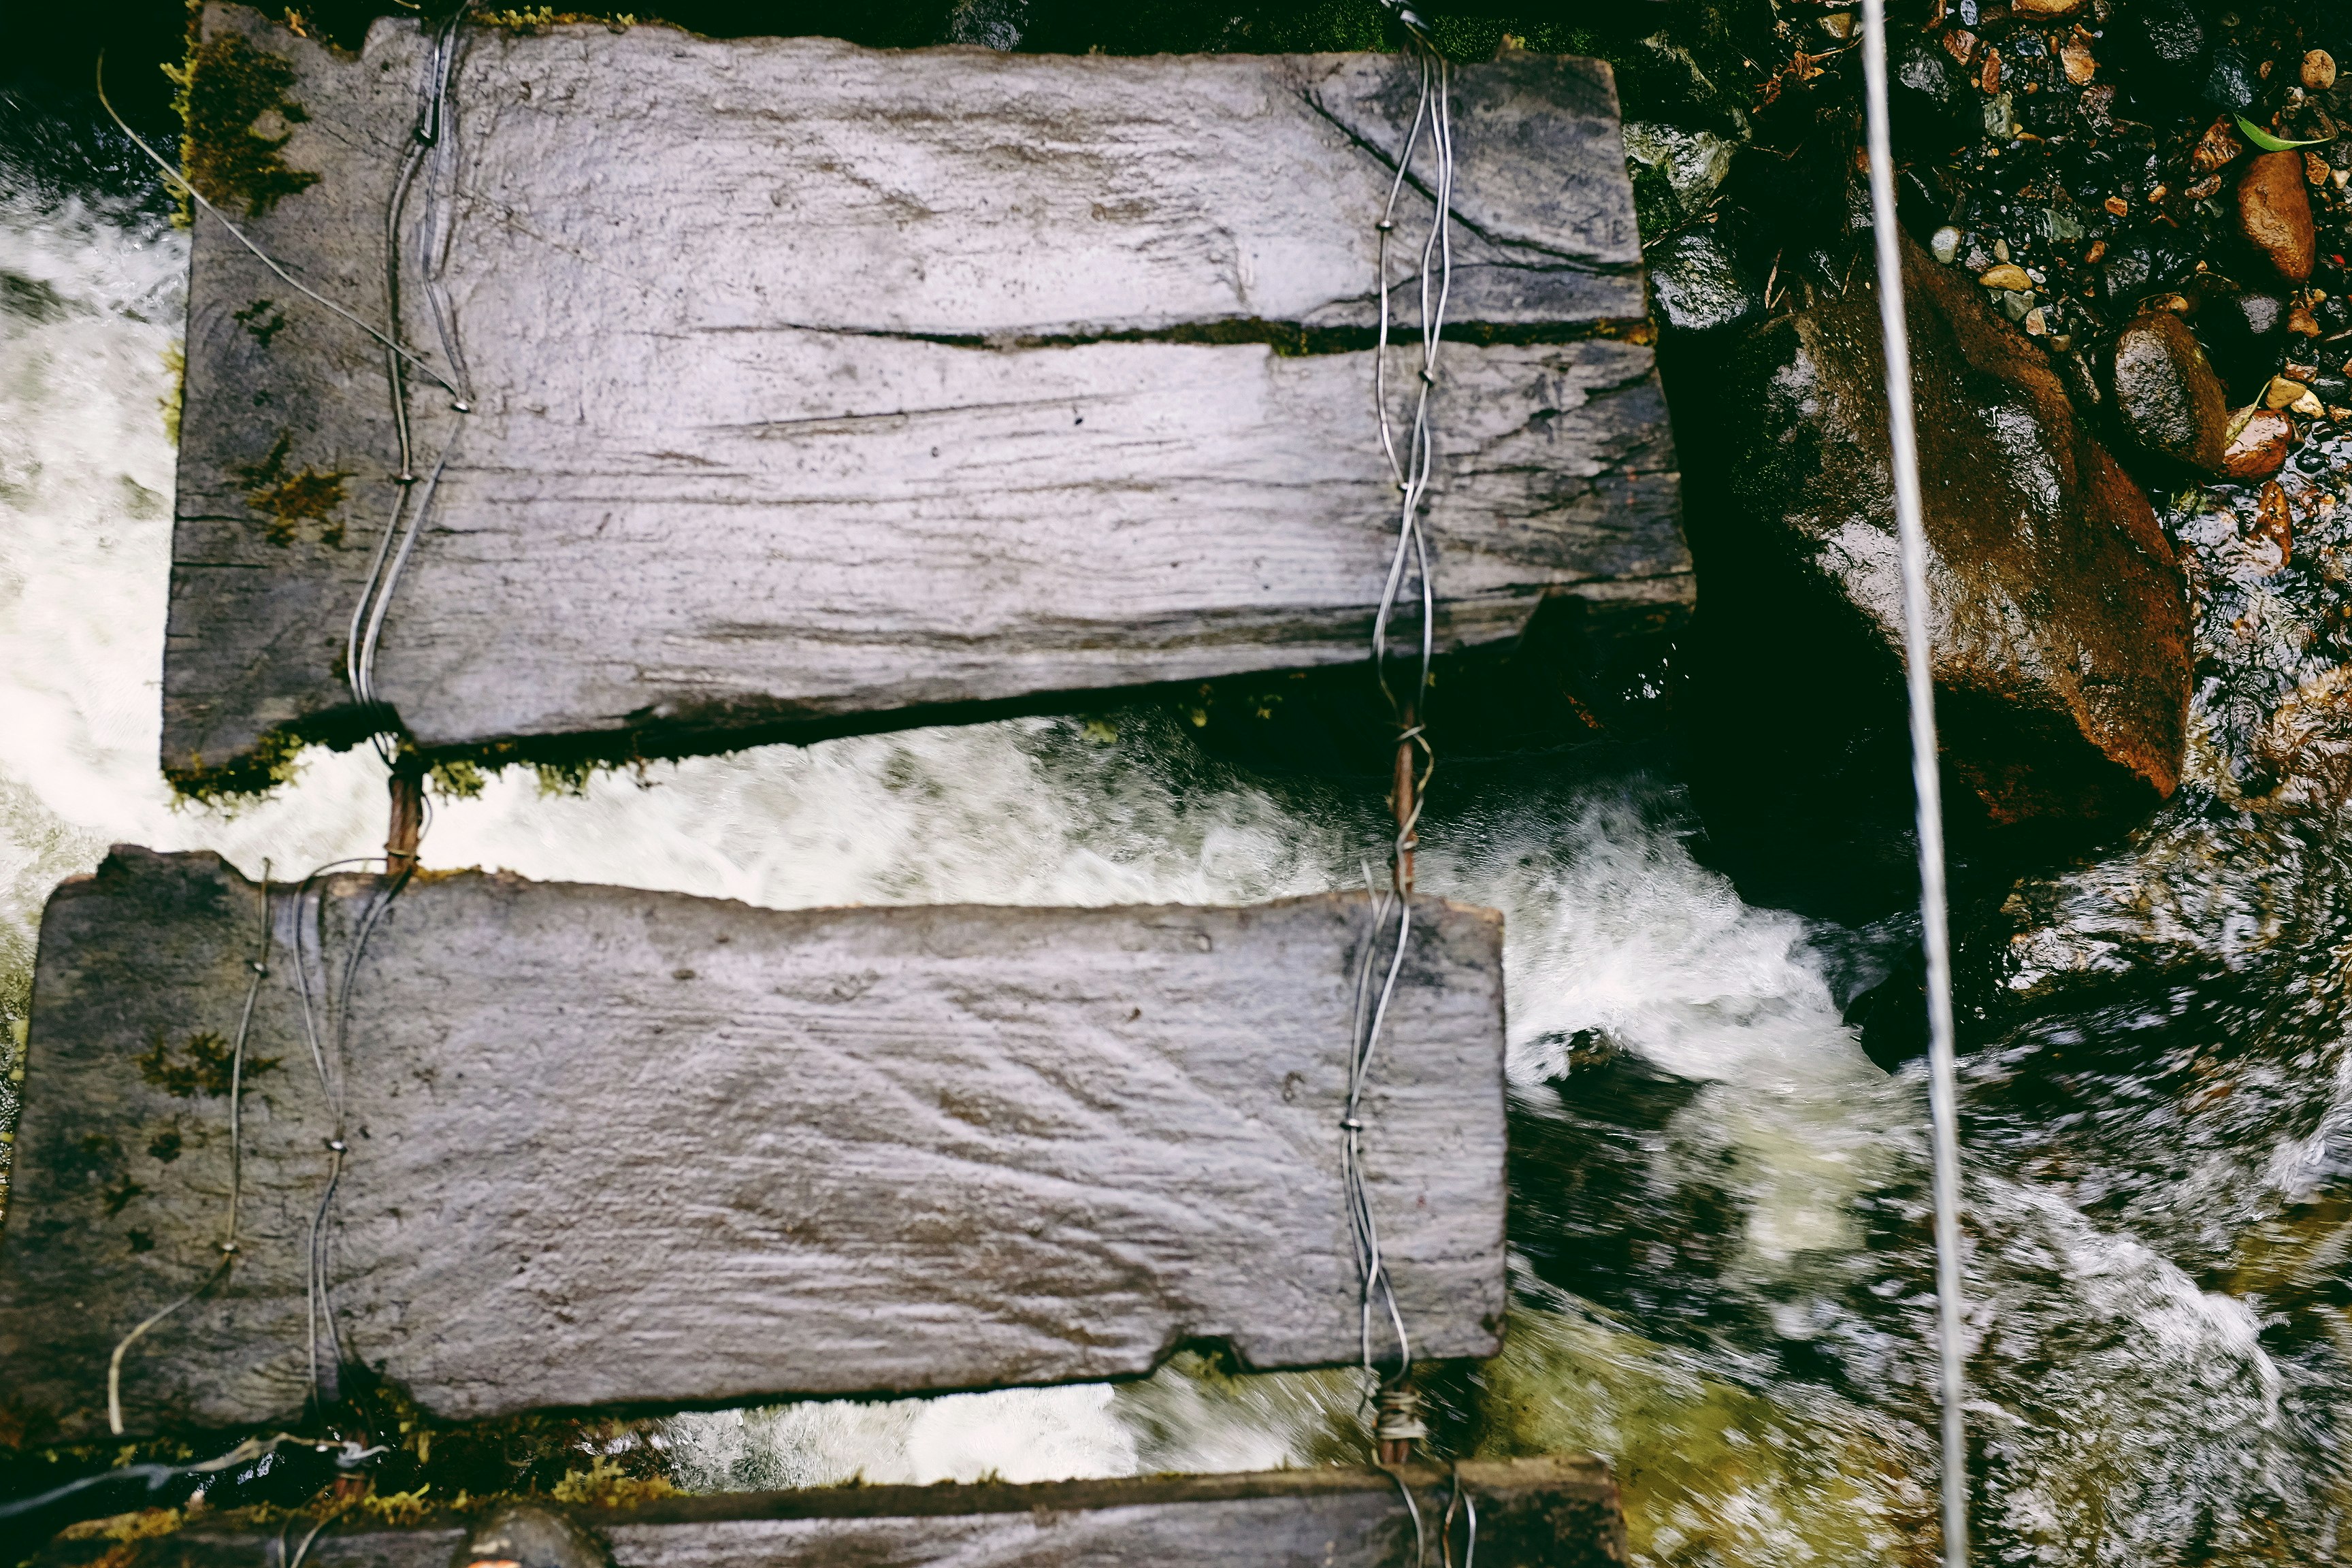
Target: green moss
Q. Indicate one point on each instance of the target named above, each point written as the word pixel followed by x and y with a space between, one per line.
pixel 175 363
pixel 456 779
pixel 269 764
pixel 1710 1473
pixel 226 88
pixel 208 1068
pixel 292 499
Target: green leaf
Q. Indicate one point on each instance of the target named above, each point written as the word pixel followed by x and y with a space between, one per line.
pixel 2270 143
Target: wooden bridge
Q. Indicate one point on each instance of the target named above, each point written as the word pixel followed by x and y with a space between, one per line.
pixel 780 383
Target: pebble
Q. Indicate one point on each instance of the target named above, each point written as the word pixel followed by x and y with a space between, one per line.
pixel 2318 70
pixel 2008 275
pixel 2283 393
pixel 2274 214
pixel 2167 394
pixel 2302 322
pixel 2219 146
pixel 2044 8
pixel 1944 243
pixel 2075 57
pixel 2259 447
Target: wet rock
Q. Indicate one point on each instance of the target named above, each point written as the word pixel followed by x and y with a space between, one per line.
pixel 2284 392
pixel 2164 39
pixel 531 1535
pixel 2142 264
pixel 2008 275
pixel 2244 336
pixel 2165 394
pixel 2231 80
pixel 1698 285
pixel 2061 657
pixel 2318 70
pixel 2260 440
pixel 2274 214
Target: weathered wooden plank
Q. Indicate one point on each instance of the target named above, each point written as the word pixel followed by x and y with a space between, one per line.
pixel 614 1146
pixel 823 387
pixel 1558 1511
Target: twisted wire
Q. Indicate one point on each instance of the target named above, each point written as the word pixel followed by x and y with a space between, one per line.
pixel 430 140
pixel 228 1245
pixel 334 1000
pixel 1412 463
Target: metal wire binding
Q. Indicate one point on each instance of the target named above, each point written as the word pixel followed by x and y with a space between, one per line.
pixel 1410 468
pixel 1459 1497
pixel 309 901
pixel 197 196
pixel 1943 1078
pixel 351 1456
pixel 228 1251
pixel 429 137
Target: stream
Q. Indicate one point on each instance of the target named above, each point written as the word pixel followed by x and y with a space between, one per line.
pixel 1719 1227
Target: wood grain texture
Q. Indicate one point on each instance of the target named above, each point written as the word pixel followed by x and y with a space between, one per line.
pixel 614 1146
pixel 819 387
pixel 1558 1511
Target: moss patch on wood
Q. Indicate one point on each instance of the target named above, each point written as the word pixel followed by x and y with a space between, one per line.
pixel 292 499
pixel 233 101
pixel 210 1067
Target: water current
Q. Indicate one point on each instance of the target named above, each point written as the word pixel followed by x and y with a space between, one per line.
pixel 1720 1213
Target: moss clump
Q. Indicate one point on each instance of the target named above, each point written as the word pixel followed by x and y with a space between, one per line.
pixel 291 499
pixel 209 1069
pixel 226 88
pixel 456 779
pixel 175 364
pixel 269 764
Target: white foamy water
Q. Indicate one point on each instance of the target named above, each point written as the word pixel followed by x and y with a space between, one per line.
pixel 1612 927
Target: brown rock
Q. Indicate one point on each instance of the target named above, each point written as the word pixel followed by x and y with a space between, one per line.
pixel 2167 394
pixel 2008 275
pixel 2061 657
pixel 1960 43
pixel 2318 70
pixel 2259 444
pixel 2217 146
pixel 2074 55
pixel 2274 214
pixel 2045 9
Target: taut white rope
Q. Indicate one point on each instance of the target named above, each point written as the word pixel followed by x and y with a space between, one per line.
pixel 1943 1079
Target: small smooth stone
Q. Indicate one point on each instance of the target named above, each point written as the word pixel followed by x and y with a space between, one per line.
pixel 2167 394
pixel 2282 392
pixel 2259 447
pixel 2044 8
pixel 1944 243
pixel 2037 323
pixel 2274 214
pixel 2008 275
pixel 2318 70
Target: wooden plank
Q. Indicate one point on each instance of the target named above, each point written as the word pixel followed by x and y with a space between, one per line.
pixel 1558 1511
pixel 614 1146
pixel 821 388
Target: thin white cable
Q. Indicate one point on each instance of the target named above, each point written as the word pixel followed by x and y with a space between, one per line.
pixel 1943 1078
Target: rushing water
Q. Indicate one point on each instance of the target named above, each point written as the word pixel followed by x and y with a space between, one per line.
pixel 1719 1211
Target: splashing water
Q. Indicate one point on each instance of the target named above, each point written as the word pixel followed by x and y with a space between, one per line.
pixel 1719 1224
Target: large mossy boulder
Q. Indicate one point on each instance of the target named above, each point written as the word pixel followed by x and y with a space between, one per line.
pixel 2060 618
